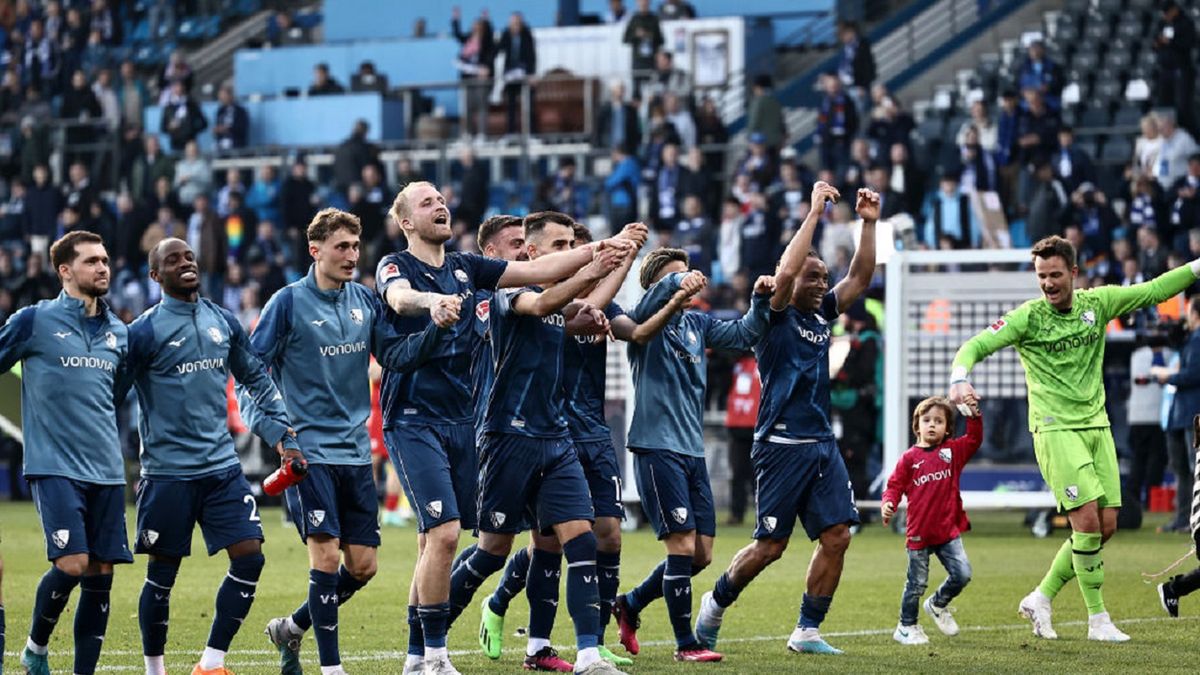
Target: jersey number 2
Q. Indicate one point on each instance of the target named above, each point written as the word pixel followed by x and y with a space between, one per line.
pixel 249 499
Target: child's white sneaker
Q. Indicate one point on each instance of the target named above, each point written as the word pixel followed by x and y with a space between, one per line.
pixel 942 616
pixel 910 635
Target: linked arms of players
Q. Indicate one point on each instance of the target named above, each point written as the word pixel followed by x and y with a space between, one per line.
pixel 405 301
pixel 556 266
pixel 610 285
pixel 630 329
pixel 555 298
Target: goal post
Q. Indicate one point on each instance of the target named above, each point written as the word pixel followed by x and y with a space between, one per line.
pixel 936 301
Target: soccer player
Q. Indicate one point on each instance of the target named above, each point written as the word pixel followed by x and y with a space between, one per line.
pixel 428 414
pixel 71 348
pixel 529 471
pixel 181 354
pixel 1060 340
pixel 317 336
pixel 584 374
pixel 797 467
pixel 669 377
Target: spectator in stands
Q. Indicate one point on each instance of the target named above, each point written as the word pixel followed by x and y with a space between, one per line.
pixel 856 64
pixel 474 65
pixel 789 197
pixel 1147 442
pixel 617 121
pixel 42 205
pixel 837 124
pixel 176 69
pixel 73 41
pixel 351 156
pixel 41 59
pixel 38 284
pixel 663 79
pixel 666 195
pixel 765 114
pixel 659 132
pixel 475 182
pixel 182 119
pixel 378 198
pixel 907 179
pixel 79 106
pixel 1095 218
pixel 1184 197
pixel 1143 208
pixel 1147 148
pixel 366 78
pixel 644 36
pixel 1008 121
pixel 1178 145
pixel 1037 129
pixel 164 197
pixel 239 224
pixel 94 56
pixel 79 193
pixel 1072 165
pixel 126 251
pixel 161 14
pixel 1152 255
pixel 11 97
pixel 976 167
pixel 231 125
pixel 297 205
pixel 407 173
pixel 674 10
pixel 879 179
pixel 323 83
pixel 234 285
pixel 520 64
pixel 558 191
pixel 283 31
pixel 263 195
pixel 1174 44
pixel 760 242
pixel 693 232
pixel 110 106
pixel 106 22
pixel 729 239
pixel 758 164
pixel 52 20
pixel 233 184
pixel 1186 381
pixel 1047 203
pixel 710 130
pixel 615 13
pixel 890 124
pixel 621 186
pixel 1040 73
pixel 949 222
pixel 680 118
pixel 12 221
pixel 837 239
pixel 705 183
pixel 131 92
pixel 207 239
pixel 985 129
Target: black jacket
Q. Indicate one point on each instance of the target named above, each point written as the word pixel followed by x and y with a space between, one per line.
pixel 182 125
pixel 237 127
pixel 604 121
pixel 522 55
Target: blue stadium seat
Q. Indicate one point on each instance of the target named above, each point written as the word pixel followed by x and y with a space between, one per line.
pixel 307 20
pixel 1117 149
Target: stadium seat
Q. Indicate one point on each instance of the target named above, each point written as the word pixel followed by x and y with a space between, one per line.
pixel 1085 61
pixel 1117 149
pixel 1096 33
pixel 1094 115
pixel 1108 88
pixel 1127 115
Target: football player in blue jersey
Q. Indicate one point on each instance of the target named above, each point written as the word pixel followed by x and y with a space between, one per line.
pixel 71 349
pixel 428 414
pixel 181 354
pixel 666 437
pixel 317 335
pixel 798 470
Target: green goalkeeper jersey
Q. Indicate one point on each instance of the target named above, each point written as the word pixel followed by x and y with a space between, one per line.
pixel 1063 352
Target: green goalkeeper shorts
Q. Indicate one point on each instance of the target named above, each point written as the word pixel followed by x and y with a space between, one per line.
pixel 1080 466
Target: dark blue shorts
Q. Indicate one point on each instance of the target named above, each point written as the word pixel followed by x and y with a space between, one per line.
pixel 807 480
pixel 338 500
pixel 599 460
pixel 675 492
pixel 80 517
pixel 438 469
pixel 169 508
pixel 526 480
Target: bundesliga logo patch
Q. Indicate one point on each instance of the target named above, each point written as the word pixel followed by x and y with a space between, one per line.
pixel 390 271
pixel 483 310
pixel 998 326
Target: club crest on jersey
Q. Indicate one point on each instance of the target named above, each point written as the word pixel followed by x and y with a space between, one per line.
pixel 679 514
pixel 483 310
pixel 498 519
pixel 1088 317
pixel 1072 492
pixel 110 340
pixel 356 316
pixel 215 334
pixel 434 508
pixel 945 455
pixel 821 320
pixel 60 538
pixel 316 517
pixel 390 271
pixel 769 523
pixel 691 336
pixel 461 275
pixel 998 326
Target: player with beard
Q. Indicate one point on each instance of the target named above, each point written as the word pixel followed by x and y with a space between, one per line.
pixel 70 349
pixel 182 352
pixel 317 336
pixel 428 420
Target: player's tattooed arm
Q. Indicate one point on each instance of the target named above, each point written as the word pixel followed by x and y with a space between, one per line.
pixel 556 297
pixel 443 309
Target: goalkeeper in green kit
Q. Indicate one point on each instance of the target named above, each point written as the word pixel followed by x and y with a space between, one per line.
pixel 1060 340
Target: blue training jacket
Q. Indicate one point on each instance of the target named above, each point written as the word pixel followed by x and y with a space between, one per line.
pixel 180 357
pixel 68 373
pixel 318 344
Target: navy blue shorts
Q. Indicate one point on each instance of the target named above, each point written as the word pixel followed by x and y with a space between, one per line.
pixel 81 517
pixel 675 492
pixel 808 480
pixel 526 480
pixel 599 460
pixel 169 508
pixel 338 500
pixel 438 469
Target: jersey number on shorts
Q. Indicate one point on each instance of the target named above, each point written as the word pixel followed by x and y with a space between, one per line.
pixel 249 499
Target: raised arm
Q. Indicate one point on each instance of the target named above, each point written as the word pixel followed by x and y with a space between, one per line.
pixel 745 332
pixel 399 294
pixel 557 297
pixel 797 249
pixel 862 265
pixel 1121 300
pixel 607 289
pixel 556 266
pixel 629 329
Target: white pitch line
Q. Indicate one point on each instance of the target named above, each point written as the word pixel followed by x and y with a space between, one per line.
pixel 398 654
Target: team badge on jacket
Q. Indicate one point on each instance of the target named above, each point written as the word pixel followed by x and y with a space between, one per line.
pixel 215 334
pixel 356 316
pixel 110 340
pixel 944 455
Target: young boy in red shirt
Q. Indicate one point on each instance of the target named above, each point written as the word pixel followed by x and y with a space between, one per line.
pixel 929 473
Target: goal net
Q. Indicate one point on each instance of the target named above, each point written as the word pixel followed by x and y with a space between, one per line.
pixel 936 301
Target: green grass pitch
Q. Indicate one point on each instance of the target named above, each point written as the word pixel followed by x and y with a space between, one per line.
pixel 1007 562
